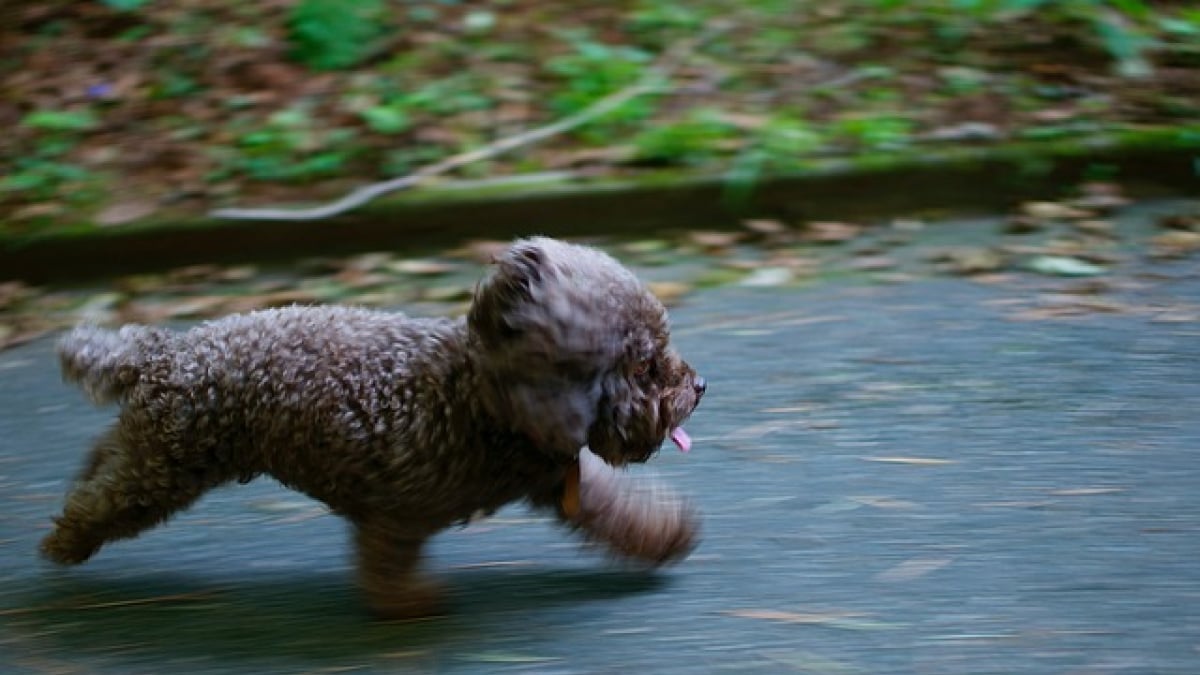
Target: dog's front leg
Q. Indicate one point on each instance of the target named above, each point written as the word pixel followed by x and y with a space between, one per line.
pixel 389 573
pixel 636 518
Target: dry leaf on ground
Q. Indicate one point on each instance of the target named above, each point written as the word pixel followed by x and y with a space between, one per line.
pixel 916 461
pixel 829 232
pixel 792 617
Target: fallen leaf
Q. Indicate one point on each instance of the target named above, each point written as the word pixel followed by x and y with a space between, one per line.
pixel 282 298
pixel 38 210
pixel 484 251
pixel 970 261
pixel 646 246
pixel 767 277
pixel 1175 244
pixel 829 232
pixel 1096 228
pixel 12 292
pixel 873 263
pixel 912 569
pixel 192 274
pixel 235 274
pixel 1053 211
pixel 765 226
pixel 421 268
pixel 1180 221
pixel 1057 307
pixel 714 242
pixel 369 262
pixel 124 212
pixel 916 461
pixel 1088 491
pixel 885 502
pixel 1063 266
pixel 274 506
pixel 908 225
pixel 669 292
pixel 792 617
pixel 356 279
pixel 1177 315
pixel 965 131
pixel 1089 287
pixel 1101 196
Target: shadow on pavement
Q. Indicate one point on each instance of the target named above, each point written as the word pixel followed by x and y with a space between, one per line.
pixel 307 618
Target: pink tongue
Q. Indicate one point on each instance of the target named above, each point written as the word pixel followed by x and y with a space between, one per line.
pixel 681 438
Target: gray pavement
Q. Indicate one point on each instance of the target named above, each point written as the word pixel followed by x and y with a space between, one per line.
pixel 895 479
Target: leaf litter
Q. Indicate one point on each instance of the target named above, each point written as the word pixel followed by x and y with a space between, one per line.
pixel 763 253
pixel 832 619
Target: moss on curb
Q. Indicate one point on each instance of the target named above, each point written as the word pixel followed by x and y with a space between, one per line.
pixel 958 180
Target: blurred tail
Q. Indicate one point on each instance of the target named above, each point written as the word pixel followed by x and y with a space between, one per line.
pixel 107 363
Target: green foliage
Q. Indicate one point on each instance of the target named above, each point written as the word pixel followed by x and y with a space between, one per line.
pixel 61 120
pixel 405 160
pixel 42 169
pixel 173 84
pixel 593 70
pixel 692 140
pixel 1119 27
pixel 332 34
pixel 1125 42
pixel 36 179
pixel 447 96
pixel 656 15
pixel 124 5
pixel 875 131
pixel 782 144
pixel 44 172
pixel 384 119
pixel 961 80
pixel 289 147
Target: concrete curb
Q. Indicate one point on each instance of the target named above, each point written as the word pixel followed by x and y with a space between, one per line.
pixel 962 180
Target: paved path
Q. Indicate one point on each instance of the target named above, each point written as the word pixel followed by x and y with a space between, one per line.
pixel 895 479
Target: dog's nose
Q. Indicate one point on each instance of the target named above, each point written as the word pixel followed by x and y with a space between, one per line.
pixel 700 385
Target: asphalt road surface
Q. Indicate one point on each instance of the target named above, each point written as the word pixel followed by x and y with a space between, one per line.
pixel 908 478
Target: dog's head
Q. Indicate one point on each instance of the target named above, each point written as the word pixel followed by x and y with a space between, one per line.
pixel 575 350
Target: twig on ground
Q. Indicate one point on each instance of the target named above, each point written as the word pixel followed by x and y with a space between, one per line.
pixel 653 80
pixel 132 602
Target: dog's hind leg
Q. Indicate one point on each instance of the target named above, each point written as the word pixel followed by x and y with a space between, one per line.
pixel 103 450
pixel 389 572
pixel 125 487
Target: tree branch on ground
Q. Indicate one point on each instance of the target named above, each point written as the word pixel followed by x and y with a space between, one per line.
pixel 653 80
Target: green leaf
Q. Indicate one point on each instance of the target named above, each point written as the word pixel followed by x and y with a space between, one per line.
pixel 386 119
pixel 61 120
pixel 124 5
pixel 332 34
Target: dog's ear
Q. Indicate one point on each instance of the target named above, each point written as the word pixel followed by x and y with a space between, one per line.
pixel 554 413
pixel 547 327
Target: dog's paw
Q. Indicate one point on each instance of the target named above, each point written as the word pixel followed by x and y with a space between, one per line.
pixel 62 548
pixel 642 520
pixel 656 531
pixel 416 599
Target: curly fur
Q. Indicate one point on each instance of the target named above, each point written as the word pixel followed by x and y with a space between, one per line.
pixel 402 425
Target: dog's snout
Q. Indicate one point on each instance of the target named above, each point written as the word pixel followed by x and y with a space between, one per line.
pixel 700 385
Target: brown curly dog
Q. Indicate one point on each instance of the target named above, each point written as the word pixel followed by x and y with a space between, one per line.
pixel 404 426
